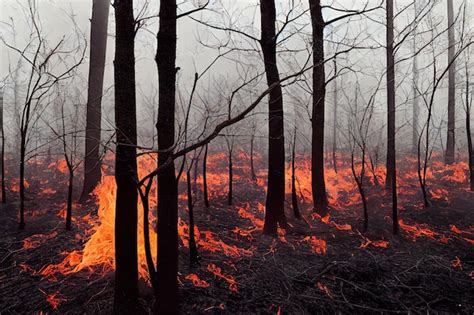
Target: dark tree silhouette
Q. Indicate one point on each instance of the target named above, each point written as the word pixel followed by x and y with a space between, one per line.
pixel 391 179
pixel 415 109
pixel 204 177
pixel 167 270
pixel 43 76
pixel 98 46
pixel 2 167
pixel 318 183
pixel 126 260
pixel 193 253
pixel 468 107
pixel 275 202
pixel 294 195
pixel 450 139
pixel 230 149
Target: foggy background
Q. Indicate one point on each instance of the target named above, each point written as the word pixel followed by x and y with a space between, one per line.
pixel 360 69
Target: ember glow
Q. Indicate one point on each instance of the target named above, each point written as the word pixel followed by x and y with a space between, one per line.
pixel 97 255
pixel 375 243
pixel 195 157
pixel 217 271
pixel 197 282
pixel 319 246
pixel 421 230
pixel 36 240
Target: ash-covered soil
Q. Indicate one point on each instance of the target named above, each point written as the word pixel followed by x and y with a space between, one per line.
pixel 321 265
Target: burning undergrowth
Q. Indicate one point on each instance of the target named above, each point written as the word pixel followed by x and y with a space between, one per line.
pixel 323 262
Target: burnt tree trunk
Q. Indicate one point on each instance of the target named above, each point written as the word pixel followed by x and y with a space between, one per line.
pixel 391 178
pixel 468 131
pixel 69 195
pixel 204 177
pixel 98 47
pixel 334 120
pixel 195 177
pixel 167 283
pixel 359 179
pixel 231 177
pixel 193 253
pixel 450 140
pixel 21 226
pixel 415 109
pixel 318 183
pixel 275 201
pixel 126 260
pixel 4 193
pixel 294 195
pixel 252 168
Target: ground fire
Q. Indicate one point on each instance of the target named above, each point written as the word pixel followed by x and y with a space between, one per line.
pixel 221 157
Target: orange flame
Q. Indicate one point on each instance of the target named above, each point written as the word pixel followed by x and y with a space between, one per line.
pixel 378 243
pixel 322 287
pixel 37 240
pixel 319 245
pixel 421 230
pixel 217 271
pixel 456 263
pixel 197 282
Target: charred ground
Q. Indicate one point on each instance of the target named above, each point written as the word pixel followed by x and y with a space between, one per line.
pixel 322 264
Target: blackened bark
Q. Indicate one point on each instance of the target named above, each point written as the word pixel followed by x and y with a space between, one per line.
pixel 144 197
pixel 415 109
pixel 4 193
pixel 252 168
pixel 69 197
pixel 195 179
pixel 391 179
pixel 390 97
pixel 204 178
pixel 21 226
pixel 294 196
pixel 450 144
pixel 231 179
pixel 167 291
pixel 318 183
pixel 193 253
pixel 126 261
pixel 468 132
pixel 359 179
pixel 334 120
pixel 275 202
pixel 98 47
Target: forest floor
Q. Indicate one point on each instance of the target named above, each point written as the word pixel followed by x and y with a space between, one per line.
pixel 321 265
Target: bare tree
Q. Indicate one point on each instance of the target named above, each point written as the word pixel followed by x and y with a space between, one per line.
pixel 204 177
pixel 428 97
pixel 229 140
pixel 294 195
pixel 193 253
pixel 98 47
pixel 167 269
pixel 275 201
pixel 318 183
pixel 2 167
pixel 415 109
pixel 126 260
pixel 49 66
pixel 67 133
pixel 467 107
pixel 450 138
pixel 391 179
pixel 359 128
